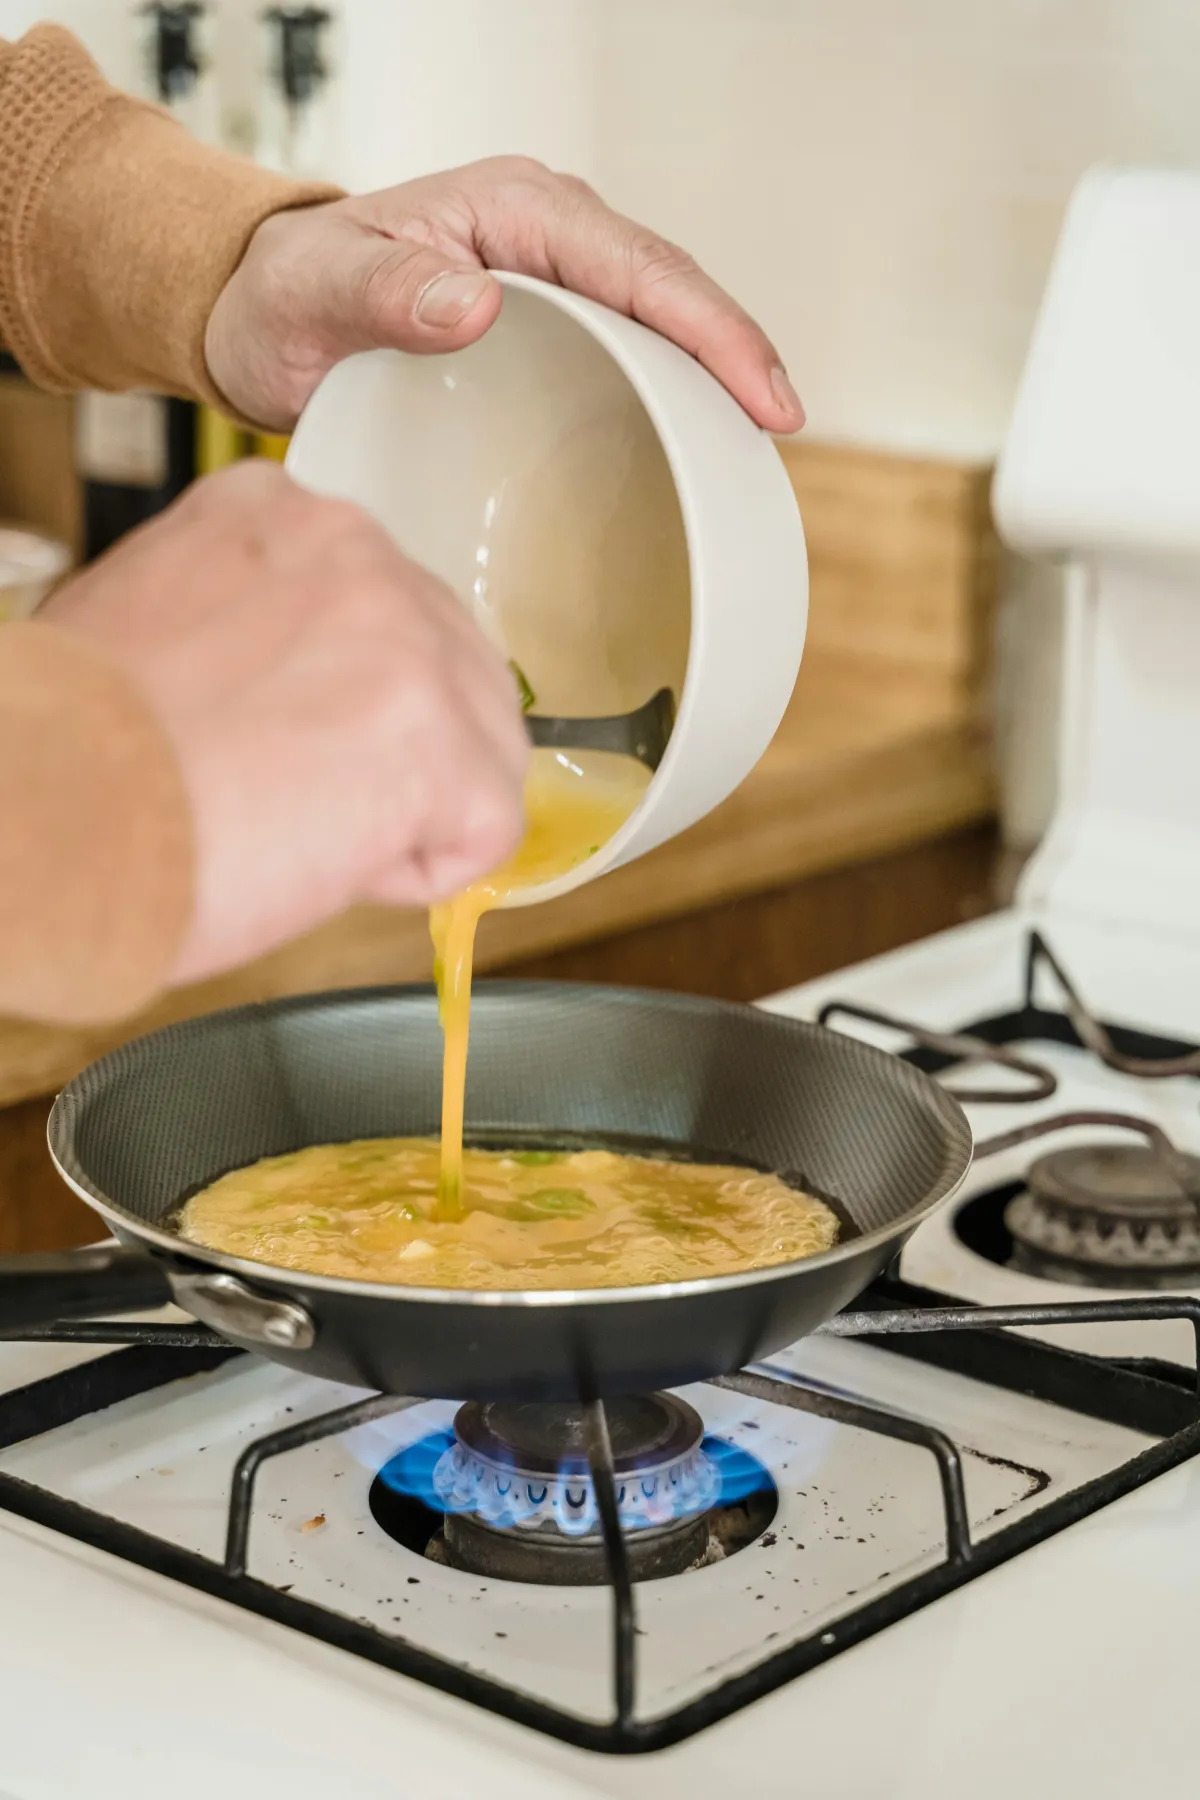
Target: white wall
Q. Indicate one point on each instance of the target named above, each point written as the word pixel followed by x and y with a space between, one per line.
pixel 427 85
pixel 883 180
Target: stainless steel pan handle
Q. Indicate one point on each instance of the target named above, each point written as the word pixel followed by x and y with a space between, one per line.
pixel 36 1289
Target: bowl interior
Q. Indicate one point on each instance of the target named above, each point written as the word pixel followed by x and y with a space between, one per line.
pixel 527 473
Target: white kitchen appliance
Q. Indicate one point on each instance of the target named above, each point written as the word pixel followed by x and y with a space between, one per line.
pixel 972 1568
pixel 1102 470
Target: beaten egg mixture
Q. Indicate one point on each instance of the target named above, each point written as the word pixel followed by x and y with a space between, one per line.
pixel 419 1212
pixel 573 804
pixel 530 1219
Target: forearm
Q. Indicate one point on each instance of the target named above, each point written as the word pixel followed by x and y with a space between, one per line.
pixel 95 835
pixel 117 229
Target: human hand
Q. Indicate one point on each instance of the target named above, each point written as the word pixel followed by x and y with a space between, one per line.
pixel 344 731
pixel 407 267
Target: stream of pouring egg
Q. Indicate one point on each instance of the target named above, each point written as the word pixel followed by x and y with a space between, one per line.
pixel 574 802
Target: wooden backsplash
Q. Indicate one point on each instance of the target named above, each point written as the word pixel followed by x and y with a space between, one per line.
pixel 902 557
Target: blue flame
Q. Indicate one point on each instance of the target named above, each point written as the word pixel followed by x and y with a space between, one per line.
pixel 411 1472
pixel 738 1473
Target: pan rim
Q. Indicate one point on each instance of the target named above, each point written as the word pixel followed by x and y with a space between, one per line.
pixel 955 1166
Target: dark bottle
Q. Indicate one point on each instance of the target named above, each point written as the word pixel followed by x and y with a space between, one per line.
pixel 296 101
pixel 135 453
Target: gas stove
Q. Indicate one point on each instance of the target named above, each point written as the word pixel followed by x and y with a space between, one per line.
pixel 668 1573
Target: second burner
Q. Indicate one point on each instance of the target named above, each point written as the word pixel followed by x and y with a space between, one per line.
pixel 1108 1215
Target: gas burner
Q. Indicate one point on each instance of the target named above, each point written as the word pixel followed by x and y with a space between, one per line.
pixel 1107 1215
pixel 510 1494
pixel 521 1504
pixel 1104 1215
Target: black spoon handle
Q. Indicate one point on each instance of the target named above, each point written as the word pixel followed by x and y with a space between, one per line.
pixel 643 734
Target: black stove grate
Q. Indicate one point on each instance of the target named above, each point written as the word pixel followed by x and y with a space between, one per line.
pixel 1141 1054
pixel 906 1320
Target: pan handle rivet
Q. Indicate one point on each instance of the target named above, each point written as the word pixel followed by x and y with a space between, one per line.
pixel 236 1311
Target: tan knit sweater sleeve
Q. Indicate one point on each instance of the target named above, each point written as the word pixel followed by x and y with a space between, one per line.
pixel 95 838
pixel 117 233
pixel 117 230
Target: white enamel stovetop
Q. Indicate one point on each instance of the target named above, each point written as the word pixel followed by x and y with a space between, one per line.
pixel 1070 1670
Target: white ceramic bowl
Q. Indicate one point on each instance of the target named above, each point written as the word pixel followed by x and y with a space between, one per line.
pixel 608 512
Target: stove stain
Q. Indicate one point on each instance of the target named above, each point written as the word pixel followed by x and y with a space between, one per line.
pixel 1038 1479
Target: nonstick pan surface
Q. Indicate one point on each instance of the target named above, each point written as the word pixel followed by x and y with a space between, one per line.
pixel 139 1131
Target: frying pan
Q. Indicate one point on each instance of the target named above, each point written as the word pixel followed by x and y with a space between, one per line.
pixel 143 1128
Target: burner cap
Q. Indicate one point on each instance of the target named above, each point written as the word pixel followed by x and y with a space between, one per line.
pixel 646 1431
pixel 1106 1214
pixel 521 1505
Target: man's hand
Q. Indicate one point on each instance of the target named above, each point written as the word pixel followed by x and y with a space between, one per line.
pixel 344 731
pixel 407 267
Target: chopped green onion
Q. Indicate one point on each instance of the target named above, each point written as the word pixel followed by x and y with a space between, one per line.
pixel 528 697
pixel 550 1203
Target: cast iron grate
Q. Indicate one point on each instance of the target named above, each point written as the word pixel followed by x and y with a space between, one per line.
pixel 1144 1055
pixel 909 1321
